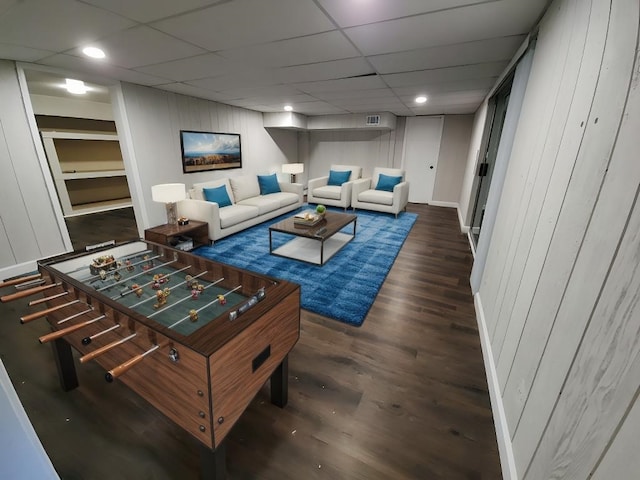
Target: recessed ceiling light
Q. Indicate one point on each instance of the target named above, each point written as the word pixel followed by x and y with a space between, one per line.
pixel 288 108
pixel 421 99
pixel 93 52
pixel 76 86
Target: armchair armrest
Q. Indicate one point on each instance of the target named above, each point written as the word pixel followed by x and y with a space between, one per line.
pixel 360 186
pixel 296 188
pixel 317 182
pixel 400 195
pixel 202 211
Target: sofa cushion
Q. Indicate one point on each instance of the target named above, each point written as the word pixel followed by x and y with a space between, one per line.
pixel 268 184
pixel 328 191
pixel 234 214
pixel 264 203
pixel 376 196
pixel 218 195
pixel 196 193
pixel 244 187
pixel 386 182
pixel 285 198
pixel 337 178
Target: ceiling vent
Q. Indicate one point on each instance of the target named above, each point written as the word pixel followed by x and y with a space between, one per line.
pixel 373 120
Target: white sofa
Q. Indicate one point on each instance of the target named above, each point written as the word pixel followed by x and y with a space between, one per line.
pixel 366 197
pixel 248 207
pixel 319 192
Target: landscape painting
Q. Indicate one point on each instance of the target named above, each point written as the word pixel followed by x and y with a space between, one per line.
pixel 202 151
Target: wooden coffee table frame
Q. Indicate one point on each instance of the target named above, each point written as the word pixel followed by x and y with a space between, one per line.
pixel 303 246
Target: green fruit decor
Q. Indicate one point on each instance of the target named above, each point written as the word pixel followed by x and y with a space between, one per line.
pixel 321 209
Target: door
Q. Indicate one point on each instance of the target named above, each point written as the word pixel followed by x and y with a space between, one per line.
pixel 420 158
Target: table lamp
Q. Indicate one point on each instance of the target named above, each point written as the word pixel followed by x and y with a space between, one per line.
pixel 169 194
pixel 293 169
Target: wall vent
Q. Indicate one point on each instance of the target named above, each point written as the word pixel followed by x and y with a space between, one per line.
pixel 373 120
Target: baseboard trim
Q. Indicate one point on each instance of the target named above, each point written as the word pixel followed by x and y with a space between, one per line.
pixel 437 203
pixel 17 270
pixel 505 447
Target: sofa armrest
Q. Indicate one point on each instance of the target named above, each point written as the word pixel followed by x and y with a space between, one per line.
pixel 317 182
pixel 202 211
pixel 296 188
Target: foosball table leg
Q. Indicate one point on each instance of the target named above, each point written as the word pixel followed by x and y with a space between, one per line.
pixel 212 463
pixel 65 364
pixel 280 384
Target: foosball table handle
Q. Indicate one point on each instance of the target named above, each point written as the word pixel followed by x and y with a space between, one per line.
pixel 124 367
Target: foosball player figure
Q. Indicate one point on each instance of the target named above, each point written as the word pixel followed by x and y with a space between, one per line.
pixel 161 297
pixel 189 281
pixel 136 288
pixel 130 268
pixel 193 315
pixel 195 293
pixel 117 277
pixel 222 300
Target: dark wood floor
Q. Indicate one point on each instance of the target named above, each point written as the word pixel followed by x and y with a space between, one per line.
pixel 402 397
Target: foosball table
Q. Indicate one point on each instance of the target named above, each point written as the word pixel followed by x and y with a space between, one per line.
pixel 195 338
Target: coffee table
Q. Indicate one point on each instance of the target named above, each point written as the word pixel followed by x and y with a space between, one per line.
pixel 313 244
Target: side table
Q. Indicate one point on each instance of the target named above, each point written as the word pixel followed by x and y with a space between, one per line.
pixel 166 234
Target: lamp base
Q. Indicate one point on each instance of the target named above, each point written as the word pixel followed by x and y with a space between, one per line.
pixel 293 177
pixel 172 214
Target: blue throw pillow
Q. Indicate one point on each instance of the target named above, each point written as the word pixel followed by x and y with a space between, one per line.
pixel 386 182
pixel 218 195
pixel 337 178
pixel 268 184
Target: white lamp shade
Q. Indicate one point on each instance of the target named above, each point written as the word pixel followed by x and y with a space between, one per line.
pixel 168 192
pixel 293 168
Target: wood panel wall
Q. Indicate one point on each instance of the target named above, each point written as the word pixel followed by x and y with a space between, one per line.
pixel 154 119
pixel 561 286
pixel 28 226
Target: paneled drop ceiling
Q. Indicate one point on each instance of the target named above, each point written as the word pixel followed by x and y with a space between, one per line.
pixel 320 56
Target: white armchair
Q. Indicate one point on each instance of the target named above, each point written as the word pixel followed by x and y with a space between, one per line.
pixel 381 195
pixel 321 191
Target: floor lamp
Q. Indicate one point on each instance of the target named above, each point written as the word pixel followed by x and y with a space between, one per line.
pixel 169 194
pixel 293 169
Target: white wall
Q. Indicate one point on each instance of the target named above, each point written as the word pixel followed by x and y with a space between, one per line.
pixel 28 226
pixel 367 149
pixel 559 293
pixel 152 120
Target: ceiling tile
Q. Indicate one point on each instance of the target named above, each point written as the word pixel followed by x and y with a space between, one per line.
pixel 482 51
pixel 476 22
pixel 24 54
pixel 248 78
pixel 297 51
pixel 192 91
pixel 349 67
pixel 448 86
pixel 348 14
pixel 139 46
pixel 192 68
pixel 439 75
pixel 247 22
pixel 77 64
pixel 148 10
pixel 359 93
pixel 357 83
pixel 57 25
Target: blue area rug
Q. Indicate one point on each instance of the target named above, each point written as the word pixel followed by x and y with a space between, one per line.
pixel 346 286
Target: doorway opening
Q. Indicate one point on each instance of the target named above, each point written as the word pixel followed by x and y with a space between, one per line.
pixel 80 141
pixel 498 105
